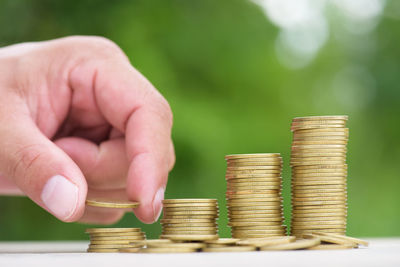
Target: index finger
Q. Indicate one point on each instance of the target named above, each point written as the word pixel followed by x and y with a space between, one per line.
pixel 131 104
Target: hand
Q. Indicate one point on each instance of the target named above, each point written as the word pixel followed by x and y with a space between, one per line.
pixel 77 119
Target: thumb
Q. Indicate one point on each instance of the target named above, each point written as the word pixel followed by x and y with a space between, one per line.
pixel 41 170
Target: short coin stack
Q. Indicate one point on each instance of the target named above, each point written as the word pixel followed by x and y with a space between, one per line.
pixel 114 239
pixel 254 195
pixel 319 174
pixel 190 219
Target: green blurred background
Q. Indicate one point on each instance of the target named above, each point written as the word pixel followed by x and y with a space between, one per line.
pixel 235 73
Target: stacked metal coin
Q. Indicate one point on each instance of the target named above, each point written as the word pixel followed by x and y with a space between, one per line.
pixel 254 195
pixel 190 219
pixel 319 175
pixel 113 239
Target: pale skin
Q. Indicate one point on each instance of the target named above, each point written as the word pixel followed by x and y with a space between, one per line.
pixel 77 120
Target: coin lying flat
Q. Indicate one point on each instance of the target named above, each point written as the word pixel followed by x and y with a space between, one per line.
pixel 230 249
pixel 167 250
pixel 190 237
pixel 268 241
pixel 344 238
pixel 298 244
pixel 108 203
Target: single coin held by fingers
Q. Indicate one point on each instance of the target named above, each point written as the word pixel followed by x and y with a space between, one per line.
pixel 112 203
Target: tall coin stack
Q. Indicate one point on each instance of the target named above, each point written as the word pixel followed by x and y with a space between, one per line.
pixel 114 239
pixel 319 175
pixel 254 195
pixel 190 219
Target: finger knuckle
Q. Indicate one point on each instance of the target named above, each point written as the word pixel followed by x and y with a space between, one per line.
pixel 24 163
pixel 97 44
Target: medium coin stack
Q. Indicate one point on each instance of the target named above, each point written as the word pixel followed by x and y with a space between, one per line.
pixel 319 175
pixel 114 239
pixel 254 195
pixel 190 219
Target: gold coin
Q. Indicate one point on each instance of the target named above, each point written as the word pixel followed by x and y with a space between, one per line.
pixel 266 220
pixel 191 229
pixel 274 179
pixel 102 238
pixel 212 224
pixel 223 241
pixel 268 241
pixel 184 220
pixel 327 182
pixel 315 135
pixel 189 200
pixel 231 176
pixel 253 198
pixel 247 192
pixel 242 235
pixel 303 155
pixel 94 246
pixel 177 245
pixel 258 228
pixel 255 155
pixel 186 217
pixel 254 205
pixel 268 231
pixel 318 191
pixel 194 209
pixel 323 118
pixel 319 202
pixel 256 213
pixel 167 250
pixel 248 207
pixel 103 250
pixel 332 240
pixel 111 203
pixel 301 232
pixel 189 205
pixel 254 163
pixel 251 184
pixel 158 241
pixel 252 172
pixel 230 249
pixel 253 187
pixel 306 199
pixel 194 212
pixel 251 168
pixel 111 230
pixel 317 187
pixel 319 142
pixel 297 244
pixel 320 222
pixel 269 225
pixel 318 123
pixel 311 179
pixel 185 237
pixel 318 217
pixel 129 250
pixel 331 246
pixel 321 167
pixel 315 227
pixel 114 242
pixel 323 208
pixel 345 238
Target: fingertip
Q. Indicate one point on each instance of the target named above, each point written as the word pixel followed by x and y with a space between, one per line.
pixel 146 184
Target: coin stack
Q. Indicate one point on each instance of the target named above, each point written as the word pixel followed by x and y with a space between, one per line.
pixel 253 195
pixel 319 174
pixel 190 219
pixel 114 239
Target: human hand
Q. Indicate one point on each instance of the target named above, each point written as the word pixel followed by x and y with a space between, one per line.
pixel 77 120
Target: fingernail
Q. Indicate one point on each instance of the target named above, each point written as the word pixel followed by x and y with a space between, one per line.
pixel 60 196
pixel 157 203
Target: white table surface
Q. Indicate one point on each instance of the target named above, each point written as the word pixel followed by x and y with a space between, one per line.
pixel 382 252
